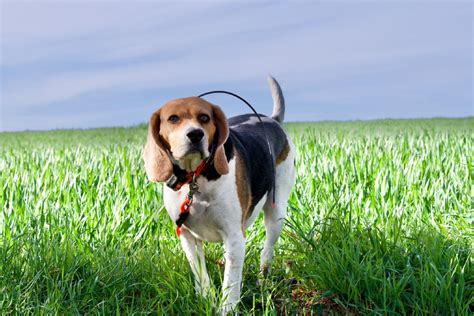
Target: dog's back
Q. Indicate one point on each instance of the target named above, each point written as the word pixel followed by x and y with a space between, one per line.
pixel 248 136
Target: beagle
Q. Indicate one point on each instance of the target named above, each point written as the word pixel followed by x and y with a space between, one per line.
pixel 234 183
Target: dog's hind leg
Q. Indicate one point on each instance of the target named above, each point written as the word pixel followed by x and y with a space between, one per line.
pixel 273 220
pixel 274 217
pixel 194 251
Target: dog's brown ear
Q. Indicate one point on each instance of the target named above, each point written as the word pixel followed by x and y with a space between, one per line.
pixel 220 159
pixel 158 165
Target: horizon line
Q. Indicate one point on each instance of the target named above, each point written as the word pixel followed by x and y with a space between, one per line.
pixel 287 122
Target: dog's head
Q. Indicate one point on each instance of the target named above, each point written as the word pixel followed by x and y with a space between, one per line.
pixel 182 132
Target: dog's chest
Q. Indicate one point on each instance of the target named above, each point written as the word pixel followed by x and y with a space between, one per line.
pixel 215 209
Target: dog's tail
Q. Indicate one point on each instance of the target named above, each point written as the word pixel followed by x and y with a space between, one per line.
pixel 278 100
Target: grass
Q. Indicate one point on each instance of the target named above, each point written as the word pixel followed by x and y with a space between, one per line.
pixel 380 221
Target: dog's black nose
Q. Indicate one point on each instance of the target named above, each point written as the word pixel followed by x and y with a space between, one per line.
pixel 195 135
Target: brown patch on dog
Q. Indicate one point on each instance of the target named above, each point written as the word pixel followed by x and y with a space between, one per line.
pixel 220 122
pixel 283 154
pixel 158 166
pixel 243 189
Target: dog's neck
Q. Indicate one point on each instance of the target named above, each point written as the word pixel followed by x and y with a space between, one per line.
pixel 210 173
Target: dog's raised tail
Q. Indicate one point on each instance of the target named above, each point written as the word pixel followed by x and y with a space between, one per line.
pixel 278 100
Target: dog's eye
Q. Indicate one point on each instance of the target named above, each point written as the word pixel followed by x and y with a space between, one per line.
pixel 173 119
pixel 203 118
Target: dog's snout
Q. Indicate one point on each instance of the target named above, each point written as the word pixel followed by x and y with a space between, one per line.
pixel 195 135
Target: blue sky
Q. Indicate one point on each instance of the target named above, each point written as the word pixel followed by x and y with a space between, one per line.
pixel 112 63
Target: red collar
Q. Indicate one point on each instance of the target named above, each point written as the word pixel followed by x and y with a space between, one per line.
pixel 176 183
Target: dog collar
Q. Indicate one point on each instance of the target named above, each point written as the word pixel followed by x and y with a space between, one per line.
pixel 176 181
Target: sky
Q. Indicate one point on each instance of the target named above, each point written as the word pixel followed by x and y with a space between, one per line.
pixel 85 64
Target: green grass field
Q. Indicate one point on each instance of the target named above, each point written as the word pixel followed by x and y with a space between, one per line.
pixel 380 221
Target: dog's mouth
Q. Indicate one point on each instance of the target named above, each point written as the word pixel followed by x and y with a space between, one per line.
pixel 191 159
pixel 194 150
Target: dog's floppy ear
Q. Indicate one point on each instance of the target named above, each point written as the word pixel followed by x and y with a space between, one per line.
pixel 158 165
pixel 220 159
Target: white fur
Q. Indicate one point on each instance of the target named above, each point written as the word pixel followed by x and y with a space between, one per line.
pixel 216 215
pixel 275 217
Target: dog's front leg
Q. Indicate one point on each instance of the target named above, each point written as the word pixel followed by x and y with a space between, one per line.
pixel 194 252
pixel 234 261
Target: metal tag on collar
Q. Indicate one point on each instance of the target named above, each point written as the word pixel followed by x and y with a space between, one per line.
pixel 193 187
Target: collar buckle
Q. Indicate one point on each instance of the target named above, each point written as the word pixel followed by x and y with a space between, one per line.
pixel 173 182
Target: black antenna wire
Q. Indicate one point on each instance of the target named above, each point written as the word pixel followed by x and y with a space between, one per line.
pixel 264 131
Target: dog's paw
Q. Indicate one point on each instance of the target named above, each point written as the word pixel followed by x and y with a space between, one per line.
pixel 204 290
pixel 228 309
pixel 265 269
pixel 203 287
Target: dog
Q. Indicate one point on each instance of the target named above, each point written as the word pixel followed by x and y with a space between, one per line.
pixel 219 175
